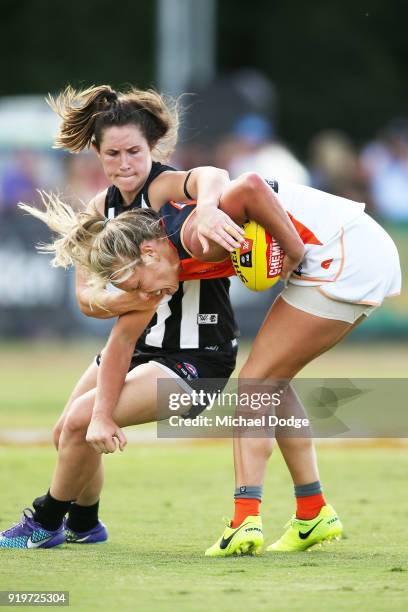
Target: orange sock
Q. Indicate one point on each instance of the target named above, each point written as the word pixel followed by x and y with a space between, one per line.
pixel 308 507
pixel 244 507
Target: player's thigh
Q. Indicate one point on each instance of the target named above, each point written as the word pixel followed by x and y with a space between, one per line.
pixel 290 338
pixel 84 384
pixel 138 400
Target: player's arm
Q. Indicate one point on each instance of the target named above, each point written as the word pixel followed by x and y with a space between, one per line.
pixel 103 431
pixel 249 197
pixel 106 304
pixel 205 185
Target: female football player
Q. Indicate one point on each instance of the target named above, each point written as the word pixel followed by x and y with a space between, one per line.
pixel 132 251
pixel 130 132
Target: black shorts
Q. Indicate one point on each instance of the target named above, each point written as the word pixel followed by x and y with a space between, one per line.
pixel 206 369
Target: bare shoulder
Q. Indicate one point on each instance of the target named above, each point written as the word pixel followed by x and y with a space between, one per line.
pixel 170 178
pixel 98 202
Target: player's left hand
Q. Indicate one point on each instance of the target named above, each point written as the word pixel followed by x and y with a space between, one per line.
pixel 104 436
pixel 213 224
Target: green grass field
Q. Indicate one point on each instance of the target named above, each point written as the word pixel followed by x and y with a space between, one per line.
pixel 163 504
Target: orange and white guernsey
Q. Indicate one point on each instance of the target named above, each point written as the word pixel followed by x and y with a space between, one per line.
pixel 321 220
pixel 347 254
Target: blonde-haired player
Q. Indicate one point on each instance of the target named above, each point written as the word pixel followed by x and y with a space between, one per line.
pixel 350 265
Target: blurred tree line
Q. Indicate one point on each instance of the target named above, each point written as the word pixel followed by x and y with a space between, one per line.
pixel 335 63
pixel 49 43
pixel 340 63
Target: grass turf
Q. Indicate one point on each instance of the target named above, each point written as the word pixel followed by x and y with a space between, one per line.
pixel 163 506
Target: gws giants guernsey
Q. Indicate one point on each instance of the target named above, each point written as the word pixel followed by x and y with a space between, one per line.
pixel 321 220
pixel 199 314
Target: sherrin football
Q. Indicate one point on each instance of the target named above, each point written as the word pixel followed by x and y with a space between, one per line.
pixel 258 262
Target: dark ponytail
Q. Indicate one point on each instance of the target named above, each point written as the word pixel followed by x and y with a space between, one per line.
pixel 79 111
pixel 86 114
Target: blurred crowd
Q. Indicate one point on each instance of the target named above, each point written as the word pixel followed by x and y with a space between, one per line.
pixel 23 172
pixel 375 173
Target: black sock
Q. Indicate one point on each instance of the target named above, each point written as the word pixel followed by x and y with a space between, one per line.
pixel 82 518
pixel 49 512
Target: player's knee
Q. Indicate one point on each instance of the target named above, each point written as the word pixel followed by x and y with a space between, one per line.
pixel 72 427
pixel 76 422
pixel 293 444
pixel 261 393
pixel 265 447
pixel 268 447
pixel 56 434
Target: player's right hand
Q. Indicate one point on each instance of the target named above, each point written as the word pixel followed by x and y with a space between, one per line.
pixel 104 436
pixel 214 224
pixel 141 300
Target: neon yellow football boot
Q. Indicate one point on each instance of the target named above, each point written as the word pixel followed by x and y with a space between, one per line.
pixel 302 534
pixel 247 539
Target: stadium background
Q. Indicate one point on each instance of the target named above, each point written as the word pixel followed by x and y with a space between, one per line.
pixel 317 94
pixel 318 90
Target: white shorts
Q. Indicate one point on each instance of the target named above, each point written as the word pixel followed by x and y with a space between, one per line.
pixel 313 301
pixel 362 265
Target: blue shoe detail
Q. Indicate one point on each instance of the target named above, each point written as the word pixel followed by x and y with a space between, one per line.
pixel 29 534
pixel 95 535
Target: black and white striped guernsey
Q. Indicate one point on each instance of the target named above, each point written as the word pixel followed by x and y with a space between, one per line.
pixel 199 314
